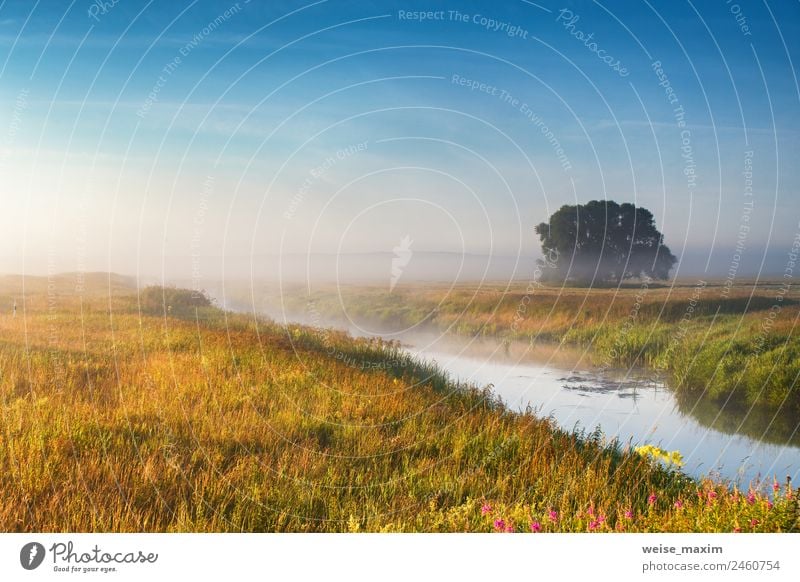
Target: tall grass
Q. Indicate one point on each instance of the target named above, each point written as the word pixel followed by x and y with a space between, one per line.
pixel 113 419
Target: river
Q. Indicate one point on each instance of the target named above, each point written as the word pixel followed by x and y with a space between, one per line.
pixel 629 404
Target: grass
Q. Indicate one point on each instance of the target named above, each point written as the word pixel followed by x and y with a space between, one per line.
pixel 736 346
pixel 123 419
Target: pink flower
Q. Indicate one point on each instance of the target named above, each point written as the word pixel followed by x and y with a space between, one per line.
pixel 753 522
pixel 553 516
pixel 737 529
pixel 536 527
pixel 486 508
pixel 712 494
pixel 751 498
pixel 678 504
pixel 601 518
pixel 652 499
pixel 593 524
pixel 510 528
pixel 769 505
pixel 629 514
pixel 499 524
pixel 776 487
pixel 591 510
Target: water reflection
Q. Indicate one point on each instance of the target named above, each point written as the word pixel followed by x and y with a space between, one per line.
pixel 779 428
pixel 592 384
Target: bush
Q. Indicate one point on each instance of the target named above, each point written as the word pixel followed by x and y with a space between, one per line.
pixel 156 300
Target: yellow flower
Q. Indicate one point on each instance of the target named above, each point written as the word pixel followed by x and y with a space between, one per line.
pixel 669 457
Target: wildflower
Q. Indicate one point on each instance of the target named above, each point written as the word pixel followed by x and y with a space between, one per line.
pixel 751 498
pixel 655 453
pixel 712 495
pixel 593 524
pixel 753 522
pixel 676 458
pixel 601 518
pixel 499 524
pixel 536 527
pixel 776 486
pixel 769 505
pixel 486 508
pixel 679 504
pixel 652 499
pixel 591 511
pixel 737 529
pixel 553 516
pixel 629 514
pixel 510 528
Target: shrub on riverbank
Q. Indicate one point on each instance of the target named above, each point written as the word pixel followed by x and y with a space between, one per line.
pixel 171 301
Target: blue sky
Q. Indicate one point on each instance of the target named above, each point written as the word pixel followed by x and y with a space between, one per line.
pixel 139 135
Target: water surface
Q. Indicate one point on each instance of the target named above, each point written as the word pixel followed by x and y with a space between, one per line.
pixel 630 405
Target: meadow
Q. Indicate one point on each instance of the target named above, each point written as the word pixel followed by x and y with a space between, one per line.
pixel 128 411
pixel 735 345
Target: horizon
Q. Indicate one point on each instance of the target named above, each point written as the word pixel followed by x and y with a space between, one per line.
pixel 760 265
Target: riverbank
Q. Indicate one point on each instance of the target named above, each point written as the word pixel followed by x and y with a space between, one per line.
pixel 734 345
pixel 119 416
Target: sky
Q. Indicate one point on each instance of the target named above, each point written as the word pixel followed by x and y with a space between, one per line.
pixel 217 139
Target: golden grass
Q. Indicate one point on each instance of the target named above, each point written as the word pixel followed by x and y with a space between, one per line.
pixel 115 421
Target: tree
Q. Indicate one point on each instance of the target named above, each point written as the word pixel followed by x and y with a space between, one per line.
pixel 603 241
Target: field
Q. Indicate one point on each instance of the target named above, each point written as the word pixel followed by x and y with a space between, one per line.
pixel 127 414
pixel 738 345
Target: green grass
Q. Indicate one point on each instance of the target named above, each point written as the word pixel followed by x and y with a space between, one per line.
pixel 114 419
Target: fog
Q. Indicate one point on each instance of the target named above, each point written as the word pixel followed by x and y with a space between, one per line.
pixel 378 268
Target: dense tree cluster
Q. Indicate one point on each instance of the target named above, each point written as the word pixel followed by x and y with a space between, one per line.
pixel 603 241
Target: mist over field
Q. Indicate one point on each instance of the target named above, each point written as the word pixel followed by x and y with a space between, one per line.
pixel 212 272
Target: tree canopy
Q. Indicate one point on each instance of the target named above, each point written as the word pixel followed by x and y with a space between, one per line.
pixel 603 241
